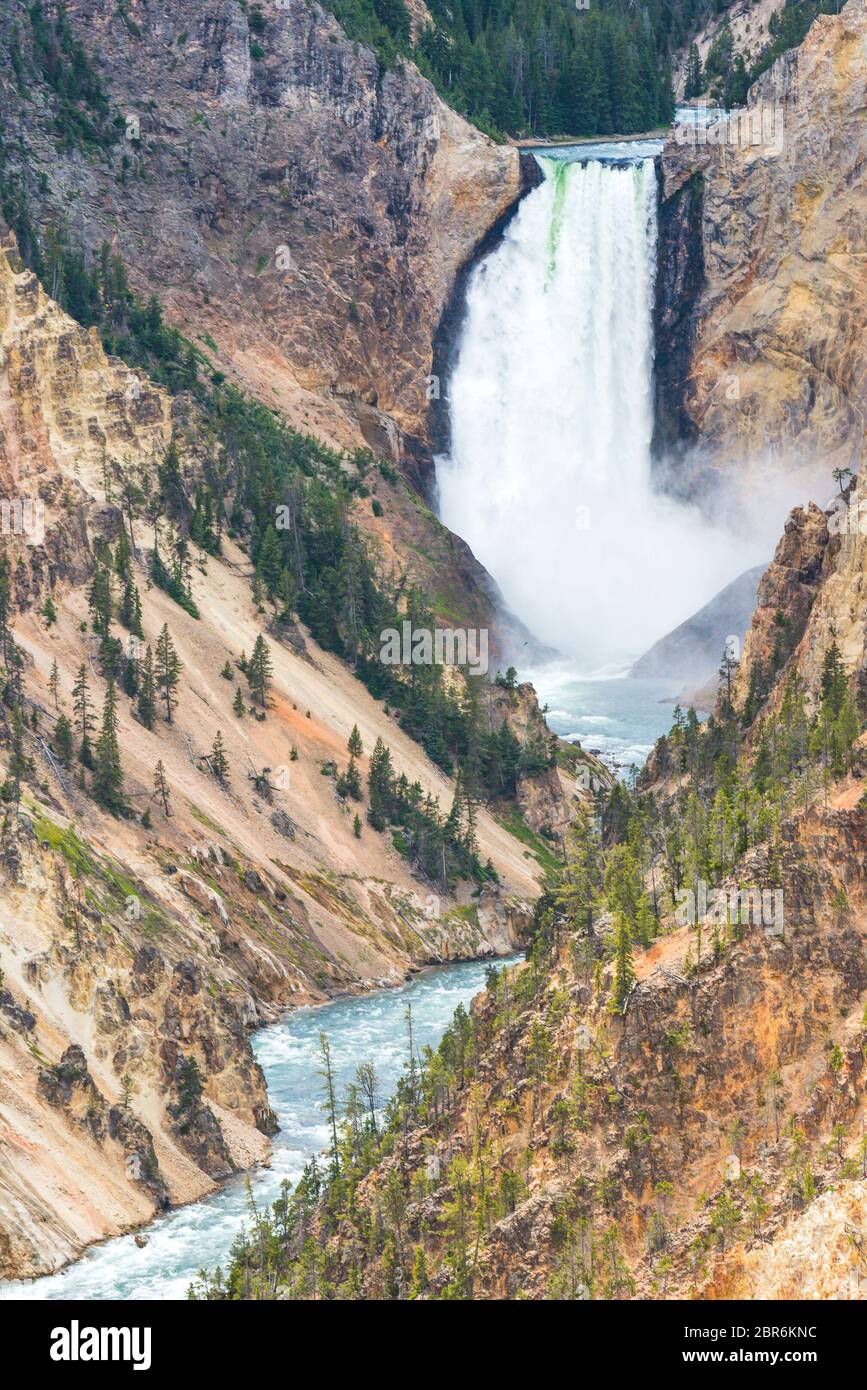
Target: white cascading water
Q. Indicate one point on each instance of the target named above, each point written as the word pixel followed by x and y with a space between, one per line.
pixel 549 473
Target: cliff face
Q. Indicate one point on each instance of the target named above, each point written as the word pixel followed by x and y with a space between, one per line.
pixel 302 217
pixel 695 1147
pixel 765 360
pixel 306 212
pixel 817 584
pixel 130 951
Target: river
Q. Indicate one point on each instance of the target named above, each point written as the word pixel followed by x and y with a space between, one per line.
pixel 362 1028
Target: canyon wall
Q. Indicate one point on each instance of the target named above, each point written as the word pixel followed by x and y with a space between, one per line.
pixel 138 952
pixel 302 216
pixel 301 213
pixel 762 364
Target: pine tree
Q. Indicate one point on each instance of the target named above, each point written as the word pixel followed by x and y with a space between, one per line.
pixel 238 702
pixel 694 78
pixel 219 761
pixel 286 596
pixel 130 608
pixel 19 763
pixel 63 740
pixel 171 481
pixel 54 684
pixel 356 826
pixel 259 670
pixel 123 557
pixel 12 690
pixel 5 605
pixel 108 773
pixel 355 745
pixel 161 787
pixel 833 679
pixel 146 704
pixel 624 970
pixel 100 601
pixel 728 666
pixel 269 562
pixel 49 612
pixel 379 783
pixel 349 782
pixel 329 1104
pixel 581 882
pixel 83 714
pixel 167 671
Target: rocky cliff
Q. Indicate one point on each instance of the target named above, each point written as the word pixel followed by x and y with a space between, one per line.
pixel 763 296
pixel 138 952
pixel 299 211
pixel 704 1142
pixel 302 216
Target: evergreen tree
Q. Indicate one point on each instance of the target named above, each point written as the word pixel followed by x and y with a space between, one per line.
pixel 355 745
pixel 833 683
pixel 329 1103
pixel 624 969
pixel 5 605
pixel 269 563
pixel 259 670
pixel 379 786
pixel 19 763
pixel 171 481
pixel 108 773
pixel 83 714
pixel 161 787
pixel 581 882
pixel 130 613
pixel 100 601
pixel 167 671
pixel 286 596
pixel 146 703
pixel 63 740
pixel 219 761
pixel 694 74
pixel 238 702
pixel 349 782
pixel 728 666
pixel 54 684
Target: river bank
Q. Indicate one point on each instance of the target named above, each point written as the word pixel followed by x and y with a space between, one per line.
pixel 186 1239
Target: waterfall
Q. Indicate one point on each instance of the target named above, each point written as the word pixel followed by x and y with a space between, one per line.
pixel 548 477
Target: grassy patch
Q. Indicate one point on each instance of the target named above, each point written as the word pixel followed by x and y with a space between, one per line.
pixel 112 878
pixel 514 822
pixel 206 821
pixel 67 843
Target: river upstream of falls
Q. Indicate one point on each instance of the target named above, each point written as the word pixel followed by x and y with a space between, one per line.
pixel 363 1028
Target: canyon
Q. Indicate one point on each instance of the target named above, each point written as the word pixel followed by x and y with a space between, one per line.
pixel 762 297
pixel 310 222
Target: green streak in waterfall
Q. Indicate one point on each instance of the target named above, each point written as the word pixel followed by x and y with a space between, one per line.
pixel 557 171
